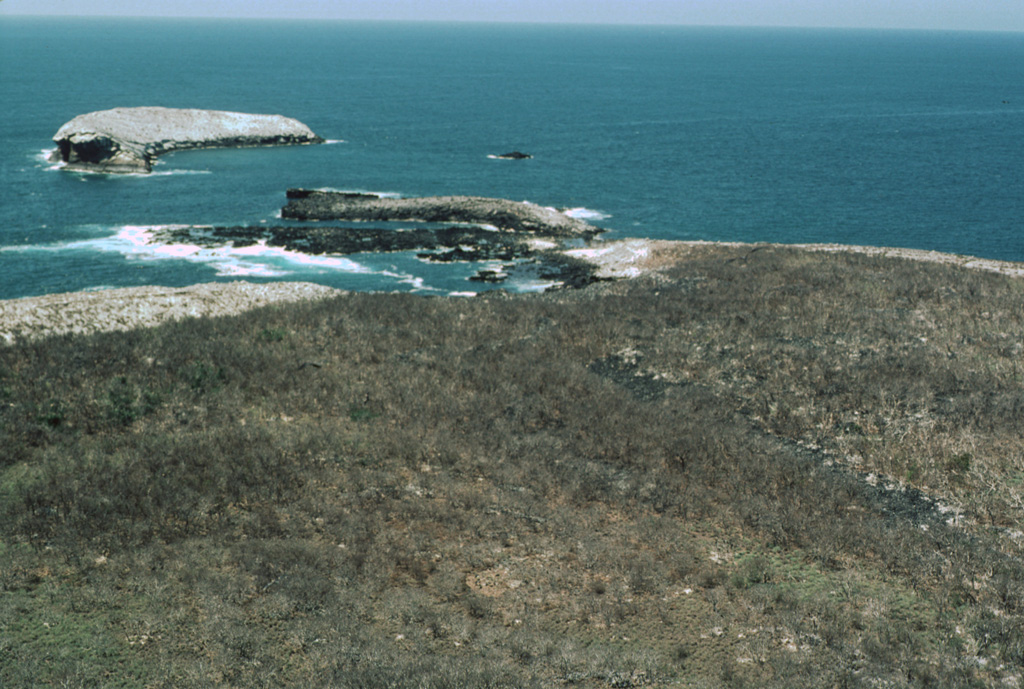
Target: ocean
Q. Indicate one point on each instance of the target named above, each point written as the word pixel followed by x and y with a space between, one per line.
pixel 887 138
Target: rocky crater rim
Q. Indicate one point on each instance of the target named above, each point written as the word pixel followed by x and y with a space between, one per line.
pixel 128 140
pixel 505 215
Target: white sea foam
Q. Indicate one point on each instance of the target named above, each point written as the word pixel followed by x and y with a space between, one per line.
pixel 139 242
pixel 168 173
pixel 378 194
pixel 417 283
pixel 109 243
pixel 535 285
pixel 323 262
pixel 127 175
pixel 145 243
pixel 44 157
pixel 25 248
pixel 258 260
pixel 585 214
pixel 236 268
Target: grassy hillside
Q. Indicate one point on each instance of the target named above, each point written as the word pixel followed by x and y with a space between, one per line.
pixel 763 468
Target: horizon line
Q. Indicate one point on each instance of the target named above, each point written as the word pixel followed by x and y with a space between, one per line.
pixel 509 22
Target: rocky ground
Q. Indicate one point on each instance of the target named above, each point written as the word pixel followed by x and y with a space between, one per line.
pixel 136 307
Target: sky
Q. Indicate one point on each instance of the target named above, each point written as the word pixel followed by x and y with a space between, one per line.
pixel 974 15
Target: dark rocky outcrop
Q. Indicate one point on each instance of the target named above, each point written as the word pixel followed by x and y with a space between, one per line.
pixel 545 259
pixel 440 244
pixel 128 140
pixel 500 214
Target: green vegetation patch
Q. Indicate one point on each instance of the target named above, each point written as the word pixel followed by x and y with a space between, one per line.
pixel 50 638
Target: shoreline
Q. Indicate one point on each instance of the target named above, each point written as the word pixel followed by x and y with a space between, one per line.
pixel 127 308
pixel 626 258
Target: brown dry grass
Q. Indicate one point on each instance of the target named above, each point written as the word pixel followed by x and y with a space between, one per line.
pixel 681 479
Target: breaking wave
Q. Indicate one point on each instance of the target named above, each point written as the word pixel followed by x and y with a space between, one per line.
pixel 141 242
pixel 585 214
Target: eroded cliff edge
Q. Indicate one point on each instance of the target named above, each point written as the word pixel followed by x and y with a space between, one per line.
pixel 128 140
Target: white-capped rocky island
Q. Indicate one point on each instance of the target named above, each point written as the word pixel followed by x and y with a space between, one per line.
pixel 128 140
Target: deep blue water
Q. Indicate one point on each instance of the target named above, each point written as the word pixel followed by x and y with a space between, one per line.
pixel 912 139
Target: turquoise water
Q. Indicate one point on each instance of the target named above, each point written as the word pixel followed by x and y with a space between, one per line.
pixel 910 139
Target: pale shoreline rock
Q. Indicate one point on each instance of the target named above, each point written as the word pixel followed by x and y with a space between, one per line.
pixel 139 307
pixel 128 140
pixel 627 258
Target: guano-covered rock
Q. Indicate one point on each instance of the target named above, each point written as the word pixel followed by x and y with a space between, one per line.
pixel 128 140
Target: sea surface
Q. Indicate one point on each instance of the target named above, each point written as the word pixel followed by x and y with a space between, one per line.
pixel 889 138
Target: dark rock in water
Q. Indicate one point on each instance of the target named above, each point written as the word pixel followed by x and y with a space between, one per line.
pixel 489 275
pixel 445 245
pixel 306 193
pixel 527 239
pixel 524 236
pixel 501 214
pixel 128 140
pixel 513 155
